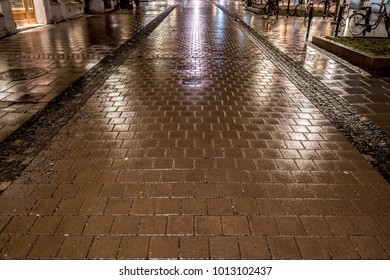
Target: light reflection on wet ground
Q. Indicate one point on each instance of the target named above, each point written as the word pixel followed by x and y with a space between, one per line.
pixel 66 50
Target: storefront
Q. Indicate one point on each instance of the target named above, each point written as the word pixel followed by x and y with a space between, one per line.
pixel 20 13
pixel 23 12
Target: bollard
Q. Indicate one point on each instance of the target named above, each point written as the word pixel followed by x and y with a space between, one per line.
pixel 339 18
pixel 311 13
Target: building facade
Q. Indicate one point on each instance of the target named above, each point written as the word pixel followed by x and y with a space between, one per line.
pixel 19 13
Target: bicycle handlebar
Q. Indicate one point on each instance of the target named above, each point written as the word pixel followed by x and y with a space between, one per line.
pixel 380 5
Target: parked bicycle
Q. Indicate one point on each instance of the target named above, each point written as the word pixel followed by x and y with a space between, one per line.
pixel 359 21
pixel 302 9
pixel 328 8
pixel 272 8
pixel 248 3
pixel 345 14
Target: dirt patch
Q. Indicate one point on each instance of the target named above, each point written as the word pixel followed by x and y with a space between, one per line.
pixel 374 46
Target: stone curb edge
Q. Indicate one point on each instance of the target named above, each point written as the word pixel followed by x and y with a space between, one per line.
pixel 371 63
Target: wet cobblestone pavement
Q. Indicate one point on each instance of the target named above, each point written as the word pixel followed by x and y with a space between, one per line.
pixel 368 94
pixel 198 145
pixel 66 51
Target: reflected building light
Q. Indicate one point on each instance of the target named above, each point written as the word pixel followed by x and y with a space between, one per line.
pixel 76 37
pixel 320 64
pixel 249 20
pixel 196 3
pixel 196 39
pixel 114 21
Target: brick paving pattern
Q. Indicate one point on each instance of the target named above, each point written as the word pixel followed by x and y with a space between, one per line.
pixel 368 94
pixel 193 149
pixel 66 51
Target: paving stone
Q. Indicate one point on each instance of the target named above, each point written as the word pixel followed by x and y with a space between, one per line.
pixel 283 248
pixel 111 190
pixel 219 206
pixel 93 206
pixel 4 220
pixel 72 225
pixel 104 247
pixel 254 247
pixel 194 206
pixel 69 206
pixel 312 248
pixel 19 225
pixel 270 207
pixel 45 225
pixel 194 247
pixel 46 247
pixel 153 225
pixel 340 248
pixel 245 206
pixel 164 247
pixel 224 247
pixel 18 247
pixel 98 225
pixel 235 225
pixel 118 206
pixel 208 225
pixel 16 206
pixel 125 225
pixel 180 225
pixel 367 225
pixel 169 206
pixel 316 226
pixel 289 226
pixel 134 247
pixel 341 226
pixel 45 206
pixel 75 247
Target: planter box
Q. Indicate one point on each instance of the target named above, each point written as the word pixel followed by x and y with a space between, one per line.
pixel 370 62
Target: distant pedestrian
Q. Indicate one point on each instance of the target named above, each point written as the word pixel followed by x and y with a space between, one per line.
pixel 136 3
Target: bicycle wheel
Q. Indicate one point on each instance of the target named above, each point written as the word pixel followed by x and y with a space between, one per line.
pixel 266 9
pixel 357 24
pixel 300 10
pixel 275 11
pixel 321 6
pixel 332 10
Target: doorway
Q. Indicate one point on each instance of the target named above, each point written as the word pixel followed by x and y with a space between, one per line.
pixel 23 12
